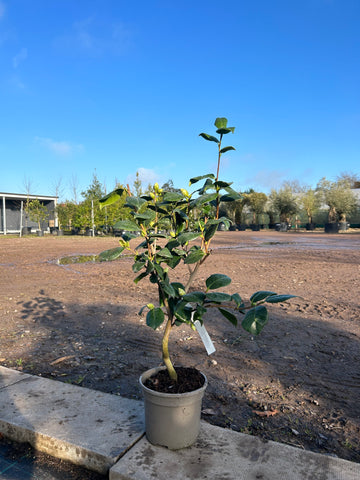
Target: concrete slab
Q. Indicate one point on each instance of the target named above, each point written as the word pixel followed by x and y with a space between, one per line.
pixel 86 427
pixel 221 454
pixel 9 377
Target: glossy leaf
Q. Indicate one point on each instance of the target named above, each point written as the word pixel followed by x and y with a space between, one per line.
pixel 155 318
pixel 218 297
pixel 259 296
pixel 111 254
pixel 111 197
pixel 172 197
pixel 145 216
pixel 255 320
pixel 224 131
pixel 279 298
pixel 183 312
pixel 135 202
pixel 209 231
pixel 229 316
pixel 208 197
pixel 195 297
pixel 209 137
pixel 127 225
pixel 226 149
pixel 221 122
pixel 140 277
pixel 164 252
pixel 194 256
pixel 137 266
pixel 196 179
pixel 187 237
pixel 217 280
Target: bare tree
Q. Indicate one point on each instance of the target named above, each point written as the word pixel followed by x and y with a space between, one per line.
pixel 74 186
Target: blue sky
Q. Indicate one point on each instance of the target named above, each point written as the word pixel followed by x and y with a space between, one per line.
pixel 119 87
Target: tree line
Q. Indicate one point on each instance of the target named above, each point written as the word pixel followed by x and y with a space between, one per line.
pixel 329 201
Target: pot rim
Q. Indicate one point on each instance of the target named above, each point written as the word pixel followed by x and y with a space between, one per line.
pixel 170 395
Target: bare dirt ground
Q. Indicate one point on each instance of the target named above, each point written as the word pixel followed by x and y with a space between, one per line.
pixel 297 383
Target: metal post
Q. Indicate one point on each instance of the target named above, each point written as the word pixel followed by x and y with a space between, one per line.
pixel 92 218
pixel 21 216
pixel 4 214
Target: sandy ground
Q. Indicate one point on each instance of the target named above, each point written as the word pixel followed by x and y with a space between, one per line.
pixel 297 383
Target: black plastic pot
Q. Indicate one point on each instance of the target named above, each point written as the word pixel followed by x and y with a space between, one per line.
pixel 332 227
pixel 241 227
pixel 281 227
pixel 255 228
pixel 310 226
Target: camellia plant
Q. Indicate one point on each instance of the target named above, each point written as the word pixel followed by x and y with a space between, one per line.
pixel 178 228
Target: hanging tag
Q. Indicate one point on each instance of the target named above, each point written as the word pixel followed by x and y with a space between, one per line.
pixel 205 337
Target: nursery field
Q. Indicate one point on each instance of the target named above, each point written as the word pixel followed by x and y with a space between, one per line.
pixel 298 382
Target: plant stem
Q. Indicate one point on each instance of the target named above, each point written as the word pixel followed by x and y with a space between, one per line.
pixel 165 351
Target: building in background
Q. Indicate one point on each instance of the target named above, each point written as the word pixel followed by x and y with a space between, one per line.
pixel 13 216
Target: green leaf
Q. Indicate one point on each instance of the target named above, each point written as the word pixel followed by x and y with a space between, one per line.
pixel 172 244
pixel 224 131
pixel 196 179
pixel 208 184
pixel 137 266
pixel 218 297
pixel 237 299
pixel 183 312
pixel 147 216
pixel 217 280
pixel 179 288
pixel 111 254
pixel 128 236
pixel 187 237
pixel 208 197
pixel 168 289
pixel 226 149
pixel 155 318
pixel 173 262
pixel 195 297
pixel 127 225
pixel 279 298
pixel 229 316
pixel 164 252
pixel 209 231
pixel 172 197
pixel 255 320
pixel 140 277
pixel 221 122
pixel 135 202
pixel 194 256
pixel 259 296
pixel 221 184
pixel 111 197
pixel 209 137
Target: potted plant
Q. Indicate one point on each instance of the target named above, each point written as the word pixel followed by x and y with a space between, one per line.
pixel 341 201
pixel 176 229
pixel 37 213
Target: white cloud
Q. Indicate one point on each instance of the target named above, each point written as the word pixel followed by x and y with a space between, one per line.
pixel 21 56
pixel 60 148
pixel 267 179
pixel 146 176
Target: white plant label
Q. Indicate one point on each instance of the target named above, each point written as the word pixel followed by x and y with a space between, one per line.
pixel 205 337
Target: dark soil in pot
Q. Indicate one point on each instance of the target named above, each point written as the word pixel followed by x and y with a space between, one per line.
pixel 189 379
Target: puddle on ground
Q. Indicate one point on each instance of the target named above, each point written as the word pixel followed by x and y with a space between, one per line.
pixel 74 259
